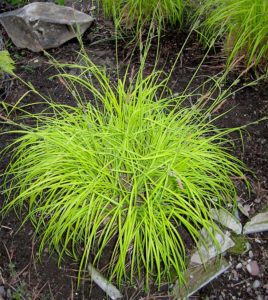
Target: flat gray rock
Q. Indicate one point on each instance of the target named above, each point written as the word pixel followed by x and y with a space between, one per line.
pixel 207 249
pixel 104 284
pixel 226 219
pixel 258 223
pixel 197 277
pixel 39 26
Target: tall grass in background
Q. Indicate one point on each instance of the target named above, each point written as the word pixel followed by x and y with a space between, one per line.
pixel 244 26
pixel 137 14
pixel 135 173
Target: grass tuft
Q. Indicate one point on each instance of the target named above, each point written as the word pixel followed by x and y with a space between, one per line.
pixel 137 14
pixel 244 23
pixel 7 64
pixel 134 171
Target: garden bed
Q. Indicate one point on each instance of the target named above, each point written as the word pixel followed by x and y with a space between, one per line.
pixel 24 277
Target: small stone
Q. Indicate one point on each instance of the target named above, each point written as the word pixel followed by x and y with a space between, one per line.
pixel 256 284
pixel 235 275
pixel 260 297
pixel 250 254
pixel 239 266
pixel 248 246
pixel 253 268
pixel 8 294
pixel 2 291
pixel 244 209
pixel 265 286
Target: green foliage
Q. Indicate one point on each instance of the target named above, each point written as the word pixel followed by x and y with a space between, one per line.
pixel 245 25
pixel 17 2
pixel 240 244
pixel 130 173
pixel 138 13
pixel 60 2
pixel 6 62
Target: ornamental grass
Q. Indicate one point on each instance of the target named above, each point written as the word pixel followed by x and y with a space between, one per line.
pixel 128 172
pixel 137 14
pixel 244 26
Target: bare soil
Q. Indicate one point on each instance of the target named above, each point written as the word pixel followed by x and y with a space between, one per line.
pixel 23 276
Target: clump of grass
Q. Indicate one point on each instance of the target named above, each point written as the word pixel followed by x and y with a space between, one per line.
pixel 134 171
pixel 7 64
pixel 243 23
pixel 137 14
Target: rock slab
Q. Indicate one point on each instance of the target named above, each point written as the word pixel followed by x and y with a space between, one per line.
pixel 208 249
pixel 258 223
pixel 39 26
pixel 226 219
pixel 104 284
pixel 197 277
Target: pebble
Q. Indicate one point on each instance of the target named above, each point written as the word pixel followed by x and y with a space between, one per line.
pixel 260 297
pixel 2 291
pixel 239 266
pixel 250 254
pixel 265 286
pixel 253 268
pixel 256 284
pixel 8 294
pixel 235 275
pixel 247 208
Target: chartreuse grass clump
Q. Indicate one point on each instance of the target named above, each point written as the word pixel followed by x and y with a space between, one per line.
pixel 134 171
pixel 244 23
pixel 137 14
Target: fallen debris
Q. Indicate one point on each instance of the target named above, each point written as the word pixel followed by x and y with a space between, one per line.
pixel 104 284
pixel 39 26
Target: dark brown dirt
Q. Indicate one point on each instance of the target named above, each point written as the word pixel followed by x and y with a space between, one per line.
pixel 25 277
